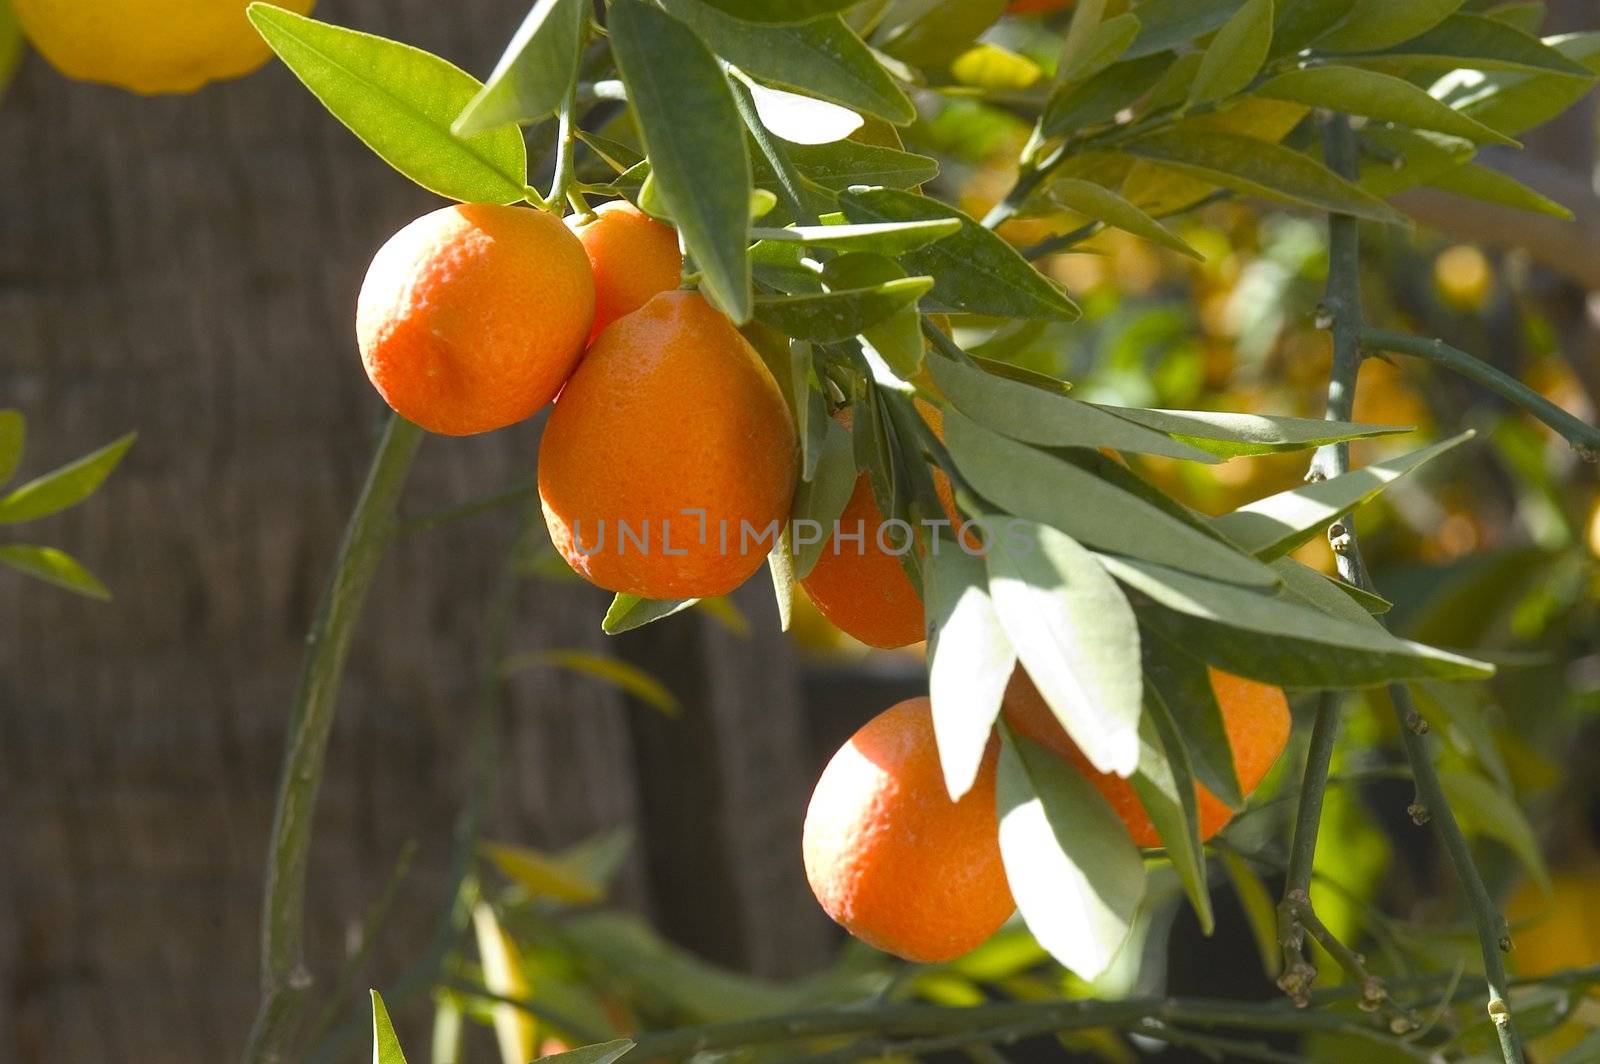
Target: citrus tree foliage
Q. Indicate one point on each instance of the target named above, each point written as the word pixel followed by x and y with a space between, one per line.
pixel 770 133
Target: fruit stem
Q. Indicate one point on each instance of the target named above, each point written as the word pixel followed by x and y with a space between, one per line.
pixel 285 980
pixel 561 189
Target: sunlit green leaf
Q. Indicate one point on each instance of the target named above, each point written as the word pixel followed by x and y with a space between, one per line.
pixel 1474 181
pixel 401 102
pixel 12 46
pixel 64 487
pixel 889 238
pixel 691 129
pixel 1103 205
pixel 599 1053
pixel 1164 783
pixel 385 1043
pixel 839 165
pixel 1512 101
pixel 831 316
pixel 1376 95
pixel 628 612
pixel 1075 873
pixel 535 71
pixel 969 660
pixel 1235 54
pixel 54 567
pixel 13 433
pixel 503 974
pixel 1230 435
pixel 543 875
pixel 1075 634
pixel 1481 44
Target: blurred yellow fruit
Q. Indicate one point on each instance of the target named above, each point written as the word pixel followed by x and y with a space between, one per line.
pixel 149 46
pixel 1463 277
pixel 1554 933
pixel 1592 535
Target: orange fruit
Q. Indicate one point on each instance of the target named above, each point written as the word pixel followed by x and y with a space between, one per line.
pixel 891 858
pixel 668 464
pixel 472 317
pixel 1036 7
pixel 859 585
pixel 633 257
pixel 1255 715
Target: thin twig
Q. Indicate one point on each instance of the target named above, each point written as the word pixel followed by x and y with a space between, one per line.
pixel 285 980
pixel 493 501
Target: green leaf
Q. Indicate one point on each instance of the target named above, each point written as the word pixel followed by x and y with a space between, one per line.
pixel 897 339
pixel 1324 593
pixel 620 674
pixel 1073 869
pixel 599 1053
pixel 53 567
pixel 888 238
pixel 691 130
pixel 628 612
pixel 811 406
pixel 1075 634
pixel 1103 205
pixel 780 566
pixel 938 31
pixel 1277 637
pixel 1395 158
pixel 830 316
pixel 974 271
pixel 1480 44
pixel 1169 23
pixel 1380 23
pixel 969 660
pixel 843 163
pixel 1258 168
pixel 1101 98
pixel 12 46
pixel 1231 435
pixel 545 875
pixel 1474 181
pixel 1164 783
pixel 822 58
pixel 1259 911
pixel 1279 523
pixel 1047 418
pixel 64 487
pixel 1041 487
pixel 534 73
pixel 385 1043
pixel 400 101
pixel 1183 685
pixel 1375 95
pixel 800 119
pixel 1075 43
pixel 1513 102
pixel 13 433
pixel 781 10
pixel 818 502
pixel 1235 54
pixel 1488 812
pixel 1100 48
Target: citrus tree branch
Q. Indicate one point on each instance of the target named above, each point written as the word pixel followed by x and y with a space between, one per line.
pixel 1583 437
pixel 285 981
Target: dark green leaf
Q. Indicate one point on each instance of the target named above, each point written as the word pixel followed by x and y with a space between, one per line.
pixel 830 316
pixel 974 271
pixel 811 407
pixel 1380 23
pixel 1277 637
pixel 1184 686
pixel 940 30
pixel 1480 44
pixel 1279 523
pixel 13 433
pixel 897 339
pixel 1491 186
pixel 385 1043
pixel 844 163
pixel 1259 911
pixel 969 660
pixel 628 612
pixel 1301 21
pixel 1375 95
pixel 1235 54
pixel 1075 634
pixel 1041 487
pixel 53 567
pixel 1165 24
pixel 822 58
pixel 1101 204
pixel 1258 168
pixel 818 502
pixel 1231 435
pixel 64 487
pixel 401 102
pixel 888 238
pixel 535 71
pixel 599 1053
pixel 781 10
pixel 1051 419
pixel 1325 593
pixel 1484 810
pixel 691 129
pixel 1075 873
pixel 1099 50
pixel 1164 783
pixel 1101 98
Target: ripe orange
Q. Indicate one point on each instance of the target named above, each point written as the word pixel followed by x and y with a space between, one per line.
pixel 860 586
pixel 891 858
pixel 473 316
pixel 1255 715
pixel 633 257
pixel 668 464
pixel 1036 7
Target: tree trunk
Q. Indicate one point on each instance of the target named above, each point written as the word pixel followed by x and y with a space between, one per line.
pixel 187 267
